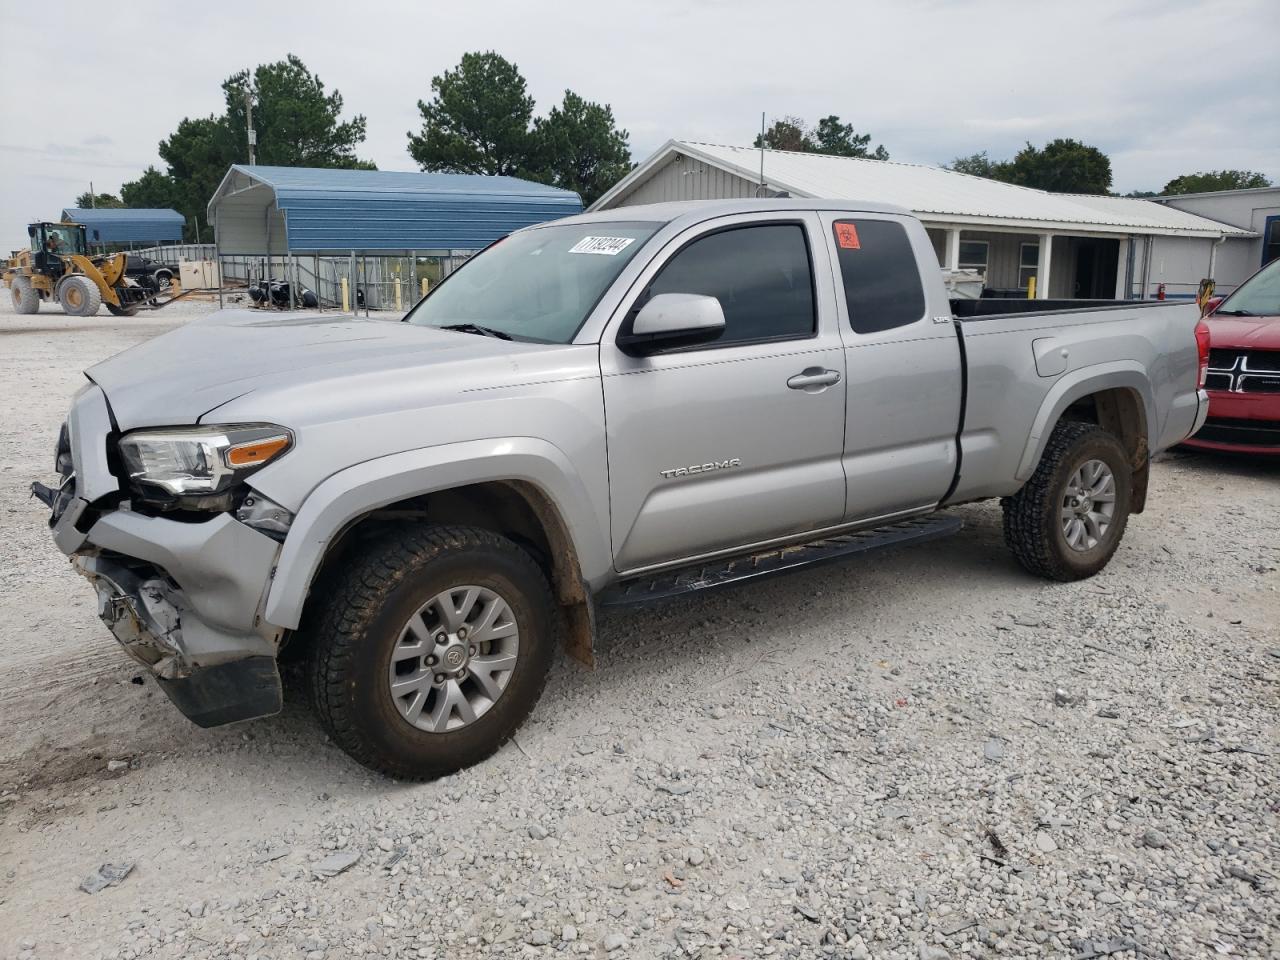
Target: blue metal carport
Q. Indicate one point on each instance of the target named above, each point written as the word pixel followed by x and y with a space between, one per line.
pixel 277 211
pixel 127 225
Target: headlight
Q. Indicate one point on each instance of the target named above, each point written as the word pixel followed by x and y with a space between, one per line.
pixel 201 461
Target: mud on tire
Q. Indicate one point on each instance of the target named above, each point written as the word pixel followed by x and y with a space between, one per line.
pixel 1034 518
pixel 358 630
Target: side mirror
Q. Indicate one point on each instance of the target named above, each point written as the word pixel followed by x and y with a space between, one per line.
pixel 1210 305
pixel 673 320
pixel 31 230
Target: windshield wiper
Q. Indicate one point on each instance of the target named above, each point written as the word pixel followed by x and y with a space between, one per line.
pixel 476 328
pixel 1234 313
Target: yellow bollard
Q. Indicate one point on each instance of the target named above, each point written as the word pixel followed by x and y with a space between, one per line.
pixel 1031 288
pixel 346 298
pixel 424 286
pixel 399 295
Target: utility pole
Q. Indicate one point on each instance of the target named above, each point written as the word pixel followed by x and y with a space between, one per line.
pixel 248 120
pixel 93 200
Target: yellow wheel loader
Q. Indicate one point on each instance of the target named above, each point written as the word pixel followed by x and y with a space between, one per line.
pixel 58 269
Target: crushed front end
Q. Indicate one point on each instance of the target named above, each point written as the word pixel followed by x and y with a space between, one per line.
pixel 181 589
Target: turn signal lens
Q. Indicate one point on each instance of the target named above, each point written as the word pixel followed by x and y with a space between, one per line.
pixel 256 452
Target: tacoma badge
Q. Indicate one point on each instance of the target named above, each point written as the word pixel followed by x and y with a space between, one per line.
pixel 701 468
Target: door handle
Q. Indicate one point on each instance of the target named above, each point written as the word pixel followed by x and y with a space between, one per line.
pixel 814 377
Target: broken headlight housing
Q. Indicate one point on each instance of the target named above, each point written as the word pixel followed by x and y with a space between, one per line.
pixel 198 468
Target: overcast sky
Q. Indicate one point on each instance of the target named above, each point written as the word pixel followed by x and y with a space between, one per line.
pixel 1164 87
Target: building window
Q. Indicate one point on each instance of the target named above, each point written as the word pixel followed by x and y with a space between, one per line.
pixel 973 255
pixel 1028 263
pixel 1271 240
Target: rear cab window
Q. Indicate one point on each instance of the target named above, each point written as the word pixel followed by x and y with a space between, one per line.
pixel 879 274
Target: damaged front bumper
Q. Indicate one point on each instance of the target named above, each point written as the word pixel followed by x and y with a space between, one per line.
pixel 182 598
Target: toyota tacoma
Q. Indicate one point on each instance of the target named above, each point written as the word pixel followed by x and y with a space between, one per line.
pixel 613 408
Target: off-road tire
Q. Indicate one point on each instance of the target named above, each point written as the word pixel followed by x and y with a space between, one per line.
pixel 1032 522
pixel 79 296
pixel 129 311
pixel 26 298
pixel 366 604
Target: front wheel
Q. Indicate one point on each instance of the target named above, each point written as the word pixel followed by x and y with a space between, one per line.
pixel 1066 523
pixel 432 647
pixel 79 296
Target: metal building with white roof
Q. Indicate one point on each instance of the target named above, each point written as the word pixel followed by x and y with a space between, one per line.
pixel 1075 245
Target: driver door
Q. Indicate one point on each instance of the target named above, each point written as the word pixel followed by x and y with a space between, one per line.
pixel 721 446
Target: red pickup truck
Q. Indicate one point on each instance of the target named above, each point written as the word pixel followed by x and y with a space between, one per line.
pixel 1244 369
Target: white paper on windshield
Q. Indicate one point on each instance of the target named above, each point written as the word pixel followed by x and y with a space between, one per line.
pixel 606 246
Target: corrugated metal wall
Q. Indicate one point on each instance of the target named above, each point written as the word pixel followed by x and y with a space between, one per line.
pixel 127 226
pixel 391 223
pixel 337 211
pixel 687 179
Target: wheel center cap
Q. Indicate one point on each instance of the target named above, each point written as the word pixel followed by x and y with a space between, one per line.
pixel 455 657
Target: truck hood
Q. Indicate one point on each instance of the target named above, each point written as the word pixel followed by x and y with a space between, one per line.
pixel 178 377
pixel 1245 333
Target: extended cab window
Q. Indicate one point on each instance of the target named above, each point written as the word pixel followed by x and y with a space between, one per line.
pixel 881 277
pixel 760 275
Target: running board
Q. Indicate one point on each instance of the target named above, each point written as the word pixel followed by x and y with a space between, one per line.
pixel 722 573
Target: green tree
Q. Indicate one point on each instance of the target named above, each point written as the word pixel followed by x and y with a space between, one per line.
pixel 980 165
pixel 477 121
pixel 298 123
pixel 841 140
pixel 1212 180
pixel 87 200
pixel 579 147
pixel 1062 166
pixel 786 134
pixel 154 190
pixel 830 136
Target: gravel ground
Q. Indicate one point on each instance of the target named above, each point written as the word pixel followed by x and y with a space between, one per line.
pixel 923 754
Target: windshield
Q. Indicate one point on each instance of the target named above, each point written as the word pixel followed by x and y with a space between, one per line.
pixel 62 240
pixel 1259 296
pixel 537 284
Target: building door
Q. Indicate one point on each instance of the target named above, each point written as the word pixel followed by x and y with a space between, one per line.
pixel 1096 264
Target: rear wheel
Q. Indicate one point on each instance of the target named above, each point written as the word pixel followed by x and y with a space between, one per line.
pixel 26 299
pixel 1067 522
pixel 432 648
pixel 79 296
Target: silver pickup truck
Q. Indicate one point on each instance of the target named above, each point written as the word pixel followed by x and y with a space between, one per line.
pixel 614 408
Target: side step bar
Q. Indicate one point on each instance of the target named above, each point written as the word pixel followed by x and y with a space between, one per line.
pixel 721 573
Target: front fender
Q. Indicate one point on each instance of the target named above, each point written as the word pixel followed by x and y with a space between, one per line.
pixel 1076 385
pixel 350 494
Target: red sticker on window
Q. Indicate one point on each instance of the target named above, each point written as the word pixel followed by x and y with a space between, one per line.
pixel 847 236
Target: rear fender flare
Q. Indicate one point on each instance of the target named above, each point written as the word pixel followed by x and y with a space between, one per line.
pixel 350 494
pixel 1076 385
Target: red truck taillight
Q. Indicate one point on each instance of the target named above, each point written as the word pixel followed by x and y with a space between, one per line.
pixel 1202 347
